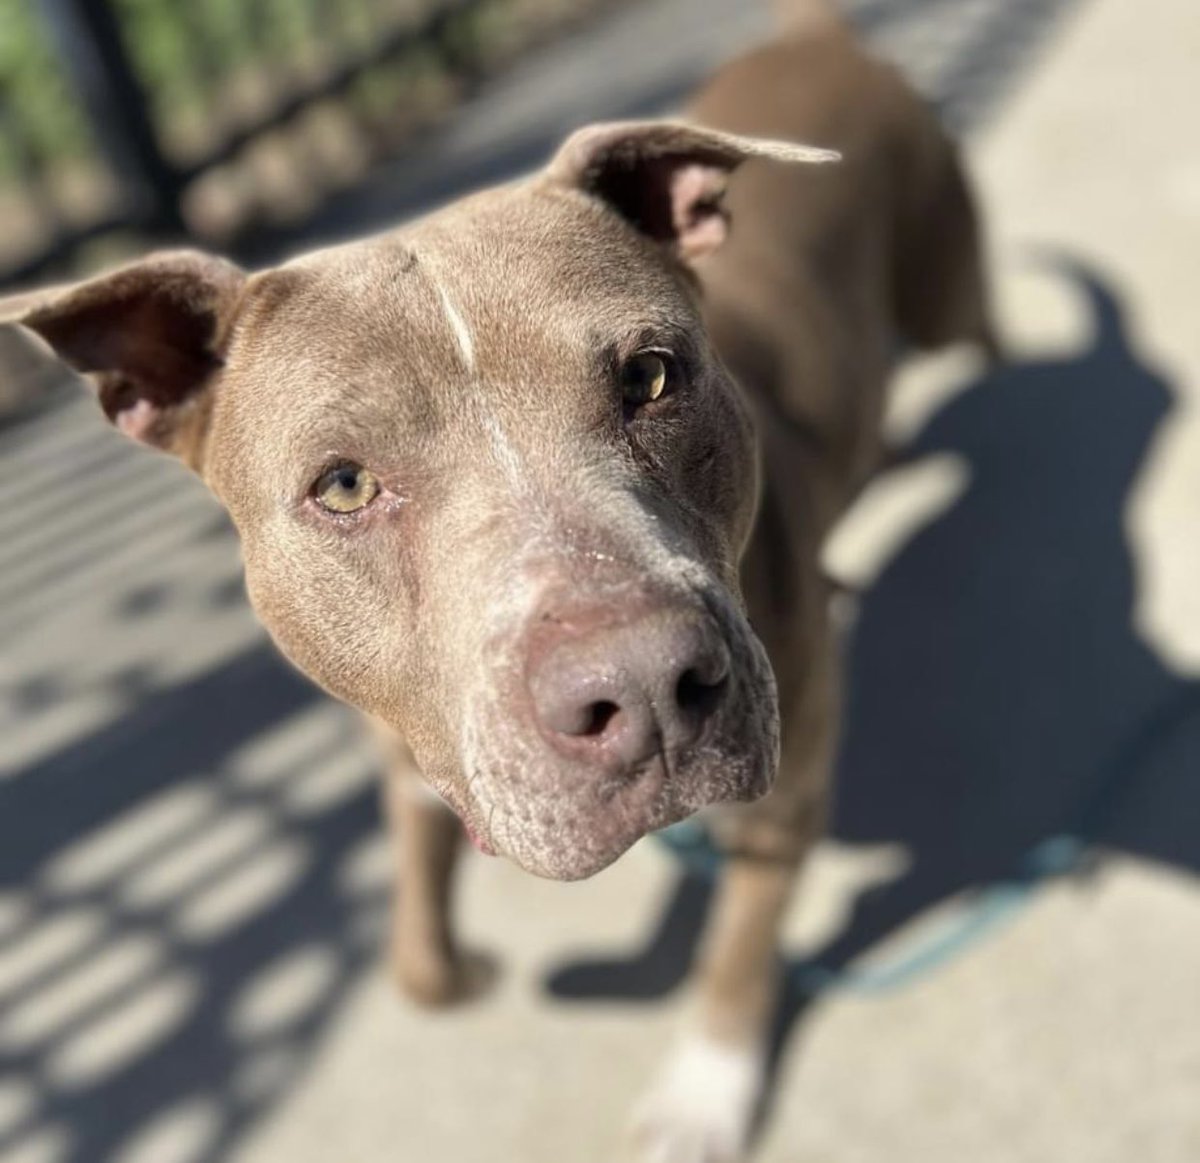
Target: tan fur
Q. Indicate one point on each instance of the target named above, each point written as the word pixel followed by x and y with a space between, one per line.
pixel 467 360
pixel 823 274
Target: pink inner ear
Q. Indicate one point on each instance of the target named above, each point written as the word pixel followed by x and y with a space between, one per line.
pixel 699 220
pixel 138 420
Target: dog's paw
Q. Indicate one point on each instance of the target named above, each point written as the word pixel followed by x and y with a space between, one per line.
pixel 436 982
pixel 702 1107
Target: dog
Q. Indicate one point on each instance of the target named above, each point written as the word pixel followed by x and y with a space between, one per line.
pixel 539 483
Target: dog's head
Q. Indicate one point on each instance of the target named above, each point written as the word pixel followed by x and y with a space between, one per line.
pixel 491 481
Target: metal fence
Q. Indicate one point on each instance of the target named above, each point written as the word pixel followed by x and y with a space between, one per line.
pixel 217 119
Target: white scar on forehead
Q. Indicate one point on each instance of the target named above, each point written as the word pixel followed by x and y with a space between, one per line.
pixel 503 450
pixel 458 326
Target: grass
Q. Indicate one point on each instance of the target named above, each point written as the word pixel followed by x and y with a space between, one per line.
pixel 199 62
pixel 209 67
pixel 188 56
pixel 33 93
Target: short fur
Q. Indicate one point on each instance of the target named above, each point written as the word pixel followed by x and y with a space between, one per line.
pixel 534 533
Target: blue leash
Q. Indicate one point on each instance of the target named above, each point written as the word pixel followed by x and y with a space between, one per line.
pixel 1057 856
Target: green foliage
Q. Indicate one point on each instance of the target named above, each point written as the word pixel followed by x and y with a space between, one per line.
pixel 35 101
pixel 207 65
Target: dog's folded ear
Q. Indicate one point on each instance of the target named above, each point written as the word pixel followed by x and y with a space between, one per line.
pixel 667 177
pixel 150 336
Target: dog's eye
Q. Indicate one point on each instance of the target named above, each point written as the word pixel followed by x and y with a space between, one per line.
pixel 645 378
pixel 345 488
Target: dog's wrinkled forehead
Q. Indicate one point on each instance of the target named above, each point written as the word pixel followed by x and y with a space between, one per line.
pixel 504 301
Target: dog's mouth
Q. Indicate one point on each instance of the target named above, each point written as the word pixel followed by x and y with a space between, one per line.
pixel 579 840
pixel 565 821
pixel 596 714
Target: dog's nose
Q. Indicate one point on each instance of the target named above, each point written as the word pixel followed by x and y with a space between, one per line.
pixel 624 693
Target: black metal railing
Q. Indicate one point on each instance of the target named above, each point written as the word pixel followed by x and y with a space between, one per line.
pixel 210 118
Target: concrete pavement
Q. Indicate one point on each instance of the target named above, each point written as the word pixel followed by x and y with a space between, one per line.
pixel 194 882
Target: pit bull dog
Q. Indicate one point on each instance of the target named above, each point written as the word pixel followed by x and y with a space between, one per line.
pixel 539 483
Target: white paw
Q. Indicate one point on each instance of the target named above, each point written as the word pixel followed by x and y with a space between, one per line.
pixel 702 1106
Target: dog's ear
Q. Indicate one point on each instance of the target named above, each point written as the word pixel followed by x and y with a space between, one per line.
pixel 150 336
pixel 667 177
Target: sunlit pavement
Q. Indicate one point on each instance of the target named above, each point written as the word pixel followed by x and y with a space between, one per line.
pixel 195 881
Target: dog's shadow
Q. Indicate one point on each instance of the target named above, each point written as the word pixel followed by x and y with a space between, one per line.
pixel 999 695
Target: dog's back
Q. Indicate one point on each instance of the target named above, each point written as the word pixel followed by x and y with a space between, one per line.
pixel 826 272
pixel 825 275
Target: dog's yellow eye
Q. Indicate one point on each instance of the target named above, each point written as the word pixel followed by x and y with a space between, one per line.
pixel 643 379
pixel 346 488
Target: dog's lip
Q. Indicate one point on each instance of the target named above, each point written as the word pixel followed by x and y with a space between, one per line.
pixel 566 862
pixel 643 811
pixel 641 795
pixel 579 848
pixel 480 843
pixel 471 825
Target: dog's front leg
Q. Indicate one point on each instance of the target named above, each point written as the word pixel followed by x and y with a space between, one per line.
pixel 426 838
pixel 703 1105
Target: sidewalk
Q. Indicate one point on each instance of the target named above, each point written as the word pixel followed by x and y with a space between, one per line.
pixel 194 879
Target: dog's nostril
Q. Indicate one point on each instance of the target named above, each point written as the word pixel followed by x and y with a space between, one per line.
pixel 599 716
pixel 616 695
pixel 697 696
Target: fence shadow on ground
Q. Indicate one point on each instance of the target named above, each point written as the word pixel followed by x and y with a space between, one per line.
pixel 998 693
pixel 207 1059
pixel 184 912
